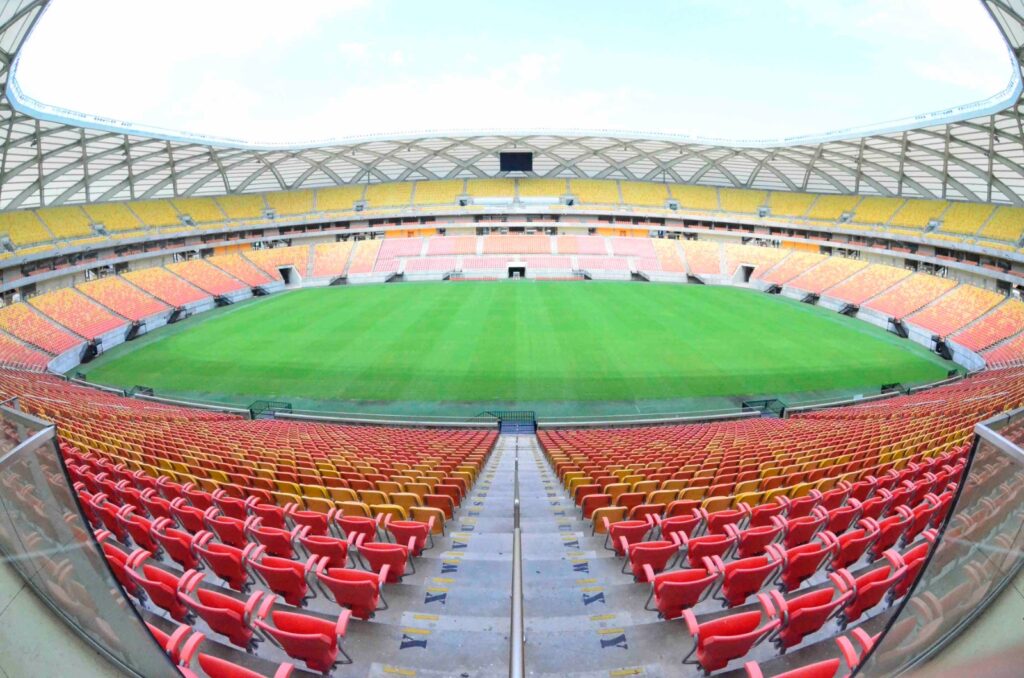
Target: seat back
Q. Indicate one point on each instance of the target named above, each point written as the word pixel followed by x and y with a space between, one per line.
pixel 681 589
pixel 357 590
pixel 309 639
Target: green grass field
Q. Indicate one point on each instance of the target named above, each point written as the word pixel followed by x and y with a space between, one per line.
pixel 435 345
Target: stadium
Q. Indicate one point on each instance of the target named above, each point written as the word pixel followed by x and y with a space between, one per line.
pixel 539 403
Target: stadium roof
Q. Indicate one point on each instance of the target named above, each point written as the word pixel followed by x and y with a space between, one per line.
pixel 979 156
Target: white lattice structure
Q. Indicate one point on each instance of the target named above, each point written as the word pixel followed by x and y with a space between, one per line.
pixel 44 162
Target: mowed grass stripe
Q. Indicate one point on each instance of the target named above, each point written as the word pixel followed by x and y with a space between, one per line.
pixel 522 341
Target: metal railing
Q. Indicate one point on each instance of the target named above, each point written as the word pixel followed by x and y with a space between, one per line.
pixel 517 634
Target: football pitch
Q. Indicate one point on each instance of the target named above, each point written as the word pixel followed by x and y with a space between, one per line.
pixel 516 343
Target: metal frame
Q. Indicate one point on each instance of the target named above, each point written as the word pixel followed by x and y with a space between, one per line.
pixel 44 163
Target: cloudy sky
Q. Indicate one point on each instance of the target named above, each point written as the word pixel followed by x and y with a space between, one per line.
pixel 273 72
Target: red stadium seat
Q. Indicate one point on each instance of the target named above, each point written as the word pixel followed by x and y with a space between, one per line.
pixel 808 613
pixel 653 556
pixel 161 586
pixel 315 641
pixel 804 560
pixel 227 616
pixel 227 562
pixel 178 544
pixel 287 578
pixel 195 664
pixel 354 589
pixel 675 591
pixel 719 641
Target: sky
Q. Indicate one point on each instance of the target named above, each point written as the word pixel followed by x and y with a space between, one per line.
pixel 272 72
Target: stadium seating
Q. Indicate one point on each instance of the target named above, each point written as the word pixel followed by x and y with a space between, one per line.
pixel 667 252
pixel 632 247
pixel 66 223
pixel 543 188
pixel 25 323
pixel 242 206
pixel 430 264
pixel 485 263
pixel 166 286
pixel 122 298
pixel 701 198
pixel 854 490
pixel 917 213
pixel 644 194
pixel 965 218
pixel 77 313
pixel 443 192
pixel 603 263
pixel 388 195
pixel 393 248
pixel 785 204
pixel 114 216
pixel 742 200
pixel 1002 323
pixel 594 191
pixel 201 210
pixel 517 244
pixel 831 271
pixel 1006 224
pixel 338 198
pixel 364 256
pixel 13 353
pixel 790 267
pixel 761 258
pixel 156 213
pixel 291 203
pixel 241 268
pixel 452 244
pixel 491 188
pixel 24 228
pixel 702 258
pixel 869 283
pixel 581 244
pixel 875 211
pixel 206 277
pixel 832 207
pixel 269 260
pixel 910 295
pixel 548 262
pixel 1010 352
pixel 330 259
pixel 955 309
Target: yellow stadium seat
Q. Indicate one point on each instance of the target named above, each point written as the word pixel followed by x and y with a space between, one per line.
pixel 831 207
pixel 644 194
pixel 742 200
pixel 965 217
pixel 338 198
pixel 290 203
pixel 115 216
pixel 542 188
pixel 491 188
pixel 202 210
pixel 66 222
pixel 874 210
pixel 444 192
pixel 704 198
pixel 788 204
pixel 242 206
pixel 917 213
pixel 389 195
pixel 595 191
pixel 1006 224
pixel 24 228
pixel 156 213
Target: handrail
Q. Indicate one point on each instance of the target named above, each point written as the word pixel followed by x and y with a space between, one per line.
pixel 517 635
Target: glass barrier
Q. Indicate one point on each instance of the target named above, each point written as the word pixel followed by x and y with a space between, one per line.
pixel 980 552
pixel 44 536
